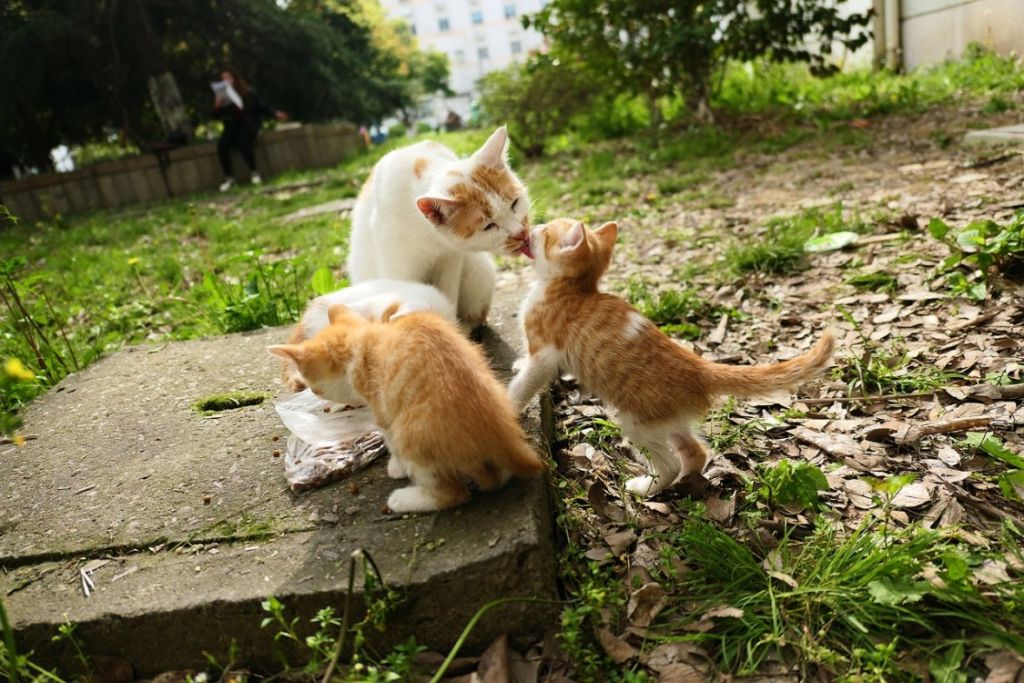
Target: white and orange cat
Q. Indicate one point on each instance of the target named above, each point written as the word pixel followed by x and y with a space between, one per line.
pixel 424 215
pixel 369 299
pixel 658 391
pixel 446 418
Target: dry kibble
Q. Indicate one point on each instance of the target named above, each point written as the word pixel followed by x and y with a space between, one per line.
pixel 207 498
pixel 353 488
pixel 276 453
pixel 275 437
pixel 327 409
pixel 385 509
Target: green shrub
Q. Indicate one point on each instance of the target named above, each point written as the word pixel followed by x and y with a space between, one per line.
pixel 982 247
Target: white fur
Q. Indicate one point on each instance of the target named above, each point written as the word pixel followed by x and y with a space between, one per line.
pixel 371 298
pixel 391 238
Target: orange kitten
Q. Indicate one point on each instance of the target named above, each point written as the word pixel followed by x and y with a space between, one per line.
pixel 658 390
pixel 445 417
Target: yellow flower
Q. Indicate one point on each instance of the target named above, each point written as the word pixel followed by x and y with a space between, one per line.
pixel 14 368
pixel 18 440
pixel 133 260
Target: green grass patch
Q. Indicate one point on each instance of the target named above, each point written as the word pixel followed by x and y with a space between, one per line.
pixel 850 606
pixel 874 282
pixel 780 249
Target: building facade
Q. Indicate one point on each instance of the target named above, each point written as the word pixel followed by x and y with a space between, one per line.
pixel 478 36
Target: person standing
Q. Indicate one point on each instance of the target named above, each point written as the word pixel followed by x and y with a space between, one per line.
pixel 242 112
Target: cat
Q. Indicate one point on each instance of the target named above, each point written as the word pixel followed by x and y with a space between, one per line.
pixel 370 299
pixel 445 417
pixel 658 390
pixel 424 215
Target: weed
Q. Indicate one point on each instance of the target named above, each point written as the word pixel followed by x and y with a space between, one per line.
pixel 599 433
pixel 878 370
pixel 673 310
pixel 788 483
pixel 981 248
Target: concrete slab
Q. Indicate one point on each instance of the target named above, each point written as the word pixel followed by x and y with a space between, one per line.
pixel 1006 135
pixel 186 524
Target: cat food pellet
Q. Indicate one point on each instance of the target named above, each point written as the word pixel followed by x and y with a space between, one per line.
pixel 207 498
pixel 385 509
pixel 327 409
pixel 276 453
pixel 275 437
pixel 353 488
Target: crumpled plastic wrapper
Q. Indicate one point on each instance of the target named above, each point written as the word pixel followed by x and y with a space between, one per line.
pixel 328 441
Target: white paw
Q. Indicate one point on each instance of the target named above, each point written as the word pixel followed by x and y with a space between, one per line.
pixel 518 366
pixel 411 499
pixel 396 470
pixel 642 486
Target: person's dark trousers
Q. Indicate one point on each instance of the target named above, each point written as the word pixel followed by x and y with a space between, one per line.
pixel 243 139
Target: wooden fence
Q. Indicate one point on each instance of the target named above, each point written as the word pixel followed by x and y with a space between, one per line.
pixel 175 173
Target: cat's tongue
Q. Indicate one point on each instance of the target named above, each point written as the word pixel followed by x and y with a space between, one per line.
pixel 525 251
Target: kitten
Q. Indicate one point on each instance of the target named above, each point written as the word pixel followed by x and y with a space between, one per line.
pixel 425 215
pixel 659 390
pixel 445 417
pixel 369 299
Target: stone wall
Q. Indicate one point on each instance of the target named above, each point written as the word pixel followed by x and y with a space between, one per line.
pixel 184 171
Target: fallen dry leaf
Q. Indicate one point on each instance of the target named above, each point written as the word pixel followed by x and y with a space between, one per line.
pixel 618 649
pixel 619 541
pixel 645 603
pixel 1004 666
pixel 912 496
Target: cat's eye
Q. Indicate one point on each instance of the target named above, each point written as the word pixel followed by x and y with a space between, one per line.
pixel 514 202
pixel 490 226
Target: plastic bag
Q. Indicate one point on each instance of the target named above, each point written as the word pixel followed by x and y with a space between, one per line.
pixel 328 441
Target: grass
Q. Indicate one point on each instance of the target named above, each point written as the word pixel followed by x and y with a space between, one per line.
pixel 853 606
pixel 868 605
pixel 790 89
pixel 780 247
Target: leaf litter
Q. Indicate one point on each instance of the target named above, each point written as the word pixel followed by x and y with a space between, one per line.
pixel 926 439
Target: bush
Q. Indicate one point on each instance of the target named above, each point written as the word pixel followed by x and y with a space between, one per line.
pixel 536 100
pixel 397 131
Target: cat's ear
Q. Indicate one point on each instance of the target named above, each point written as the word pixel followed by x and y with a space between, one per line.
pixel 291 352
pixel 607 234
pixel 436 208
pixel 574 238
pixel 494 153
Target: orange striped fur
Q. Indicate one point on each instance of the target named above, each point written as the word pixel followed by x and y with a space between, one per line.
pixel 446 418
pixel 658 390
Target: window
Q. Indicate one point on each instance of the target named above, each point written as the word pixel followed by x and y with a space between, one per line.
pixel 483 54
pixel 442 24
pixel 477 16
pixel 517 47
pixel 510 11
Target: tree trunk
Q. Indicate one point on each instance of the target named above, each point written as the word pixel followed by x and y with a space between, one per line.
pixel 163 90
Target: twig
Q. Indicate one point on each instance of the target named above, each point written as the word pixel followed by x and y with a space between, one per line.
pixel 975 321
pixel 857 399
pixel 958 424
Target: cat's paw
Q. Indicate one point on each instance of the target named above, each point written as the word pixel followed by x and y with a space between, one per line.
pixel 642 486
pixel 396 470
pixel 519 365
pixel 412 499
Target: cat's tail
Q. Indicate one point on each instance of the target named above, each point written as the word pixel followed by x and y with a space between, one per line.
pixel 758 380
pixel 521 460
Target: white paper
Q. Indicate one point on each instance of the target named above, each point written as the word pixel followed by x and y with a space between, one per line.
pixel 225 89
